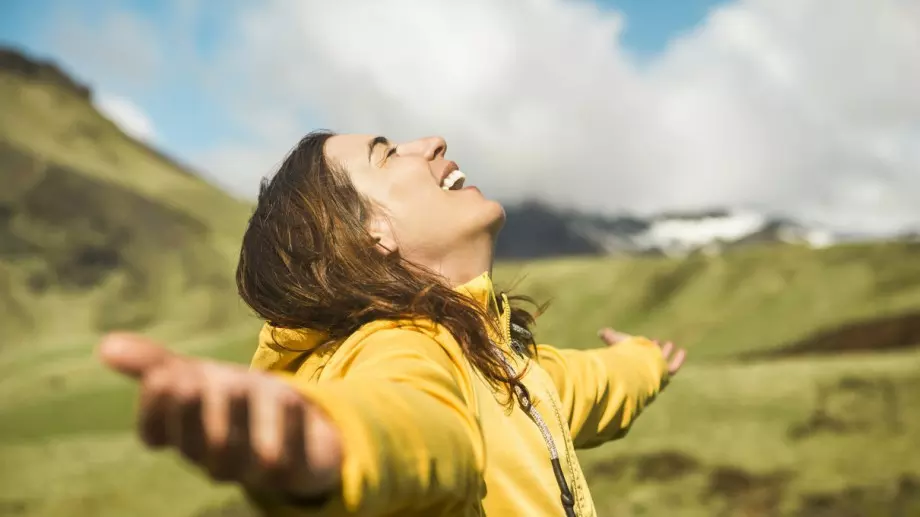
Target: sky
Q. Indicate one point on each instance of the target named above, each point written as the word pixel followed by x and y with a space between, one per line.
pixel 806 108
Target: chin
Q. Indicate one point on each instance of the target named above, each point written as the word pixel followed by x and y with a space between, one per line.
pixel 483 217
pixel 495 213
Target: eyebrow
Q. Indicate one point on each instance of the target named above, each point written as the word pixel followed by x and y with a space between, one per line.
pixel 379 140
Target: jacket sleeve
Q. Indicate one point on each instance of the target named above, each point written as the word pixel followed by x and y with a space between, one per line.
pixel 604 390
pixel 409 435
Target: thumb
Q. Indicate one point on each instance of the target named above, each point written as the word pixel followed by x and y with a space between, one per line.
pixel 612 337
pixel 132 355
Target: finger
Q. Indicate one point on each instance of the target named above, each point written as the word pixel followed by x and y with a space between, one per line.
pixel 154 408
pixel 267 420
pixel 186 428
pixel 666 350
pixel 229 455
pixel 132 355
pixel 677 361
pixel 239 439
pixel 297 473
pixel 612 337
pixel 216 420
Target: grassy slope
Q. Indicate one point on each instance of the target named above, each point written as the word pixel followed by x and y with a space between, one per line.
pixel 76 457
pixel 58 126
pixel 97 231
pixel 760 429
pixel 718 307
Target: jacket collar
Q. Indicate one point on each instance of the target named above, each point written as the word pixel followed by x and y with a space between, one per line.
pixel 273 340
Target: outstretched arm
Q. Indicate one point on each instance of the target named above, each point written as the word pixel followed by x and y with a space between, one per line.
pixel 604 390
pixel 410 438
pixel 396 433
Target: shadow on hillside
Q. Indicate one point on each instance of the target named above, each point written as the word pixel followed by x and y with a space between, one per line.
pixel 741 493
pixel 902 501
pixel 65 233
pixel 852 405
pixel 872 335
pixel 730 491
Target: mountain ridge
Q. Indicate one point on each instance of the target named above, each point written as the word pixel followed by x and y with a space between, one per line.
pixel 669 233
pixel 15 61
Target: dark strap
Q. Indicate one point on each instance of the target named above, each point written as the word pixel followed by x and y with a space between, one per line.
pixel 568 500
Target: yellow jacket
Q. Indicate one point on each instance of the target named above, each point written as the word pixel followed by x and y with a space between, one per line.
pixel 423 434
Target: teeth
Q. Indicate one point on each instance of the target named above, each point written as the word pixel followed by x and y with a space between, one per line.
pixel 454 179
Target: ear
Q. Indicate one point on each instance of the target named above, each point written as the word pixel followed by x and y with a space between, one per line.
pixel 382 232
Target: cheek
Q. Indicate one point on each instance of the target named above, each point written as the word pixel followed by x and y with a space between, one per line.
pixel 393 187
pixel 374 191
pixel 421 220
pixel 416 200
pixel 390 198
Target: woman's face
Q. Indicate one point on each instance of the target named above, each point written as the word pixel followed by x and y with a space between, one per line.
pixel 416 213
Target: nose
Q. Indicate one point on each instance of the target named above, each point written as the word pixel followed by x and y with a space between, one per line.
pixel 430 148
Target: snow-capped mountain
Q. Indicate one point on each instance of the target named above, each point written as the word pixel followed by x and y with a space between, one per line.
pixel 712 231
pixel 535 230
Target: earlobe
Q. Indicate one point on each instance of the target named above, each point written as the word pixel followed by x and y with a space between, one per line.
pixel 385 246
pixel 383 236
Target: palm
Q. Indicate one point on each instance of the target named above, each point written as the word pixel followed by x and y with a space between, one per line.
pixel 240 426
pixel 673 356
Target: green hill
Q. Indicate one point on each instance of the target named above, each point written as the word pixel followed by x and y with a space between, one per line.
pixel 786 434
pixel 749 301
pixel 801 397
pixel 98 231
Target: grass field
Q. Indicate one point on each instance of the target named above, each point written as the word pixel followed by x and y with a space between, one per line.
pixel 794 435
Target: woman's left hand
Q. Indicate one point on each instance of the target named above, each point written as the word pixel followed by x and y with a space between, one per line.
pixel 673 355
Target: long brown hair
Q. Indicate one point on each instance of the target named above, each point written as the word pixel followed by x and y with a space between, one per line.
pixel 307 261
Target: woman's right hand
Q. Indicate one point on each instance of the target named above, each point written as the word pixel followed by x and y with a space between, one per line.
pixel 238 425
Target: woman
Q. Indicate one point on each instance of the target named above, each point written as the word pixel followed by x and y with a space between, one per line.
pixel 390 378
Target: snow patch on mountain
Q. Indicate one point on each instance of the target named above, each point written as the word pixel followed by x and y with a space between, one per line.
pixel 672 234
pixel 681 234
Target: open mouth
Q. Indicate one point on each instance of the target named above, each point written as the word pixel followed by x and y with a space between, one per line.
pixel 453 181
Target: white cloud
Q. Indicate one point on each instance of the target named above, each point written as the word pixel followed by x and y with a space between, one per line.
pixel 808 107
pixel 118 47
pixel 127 115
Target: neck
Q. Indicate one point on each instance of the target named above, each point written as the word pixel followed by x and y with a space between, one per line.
pixel 467 262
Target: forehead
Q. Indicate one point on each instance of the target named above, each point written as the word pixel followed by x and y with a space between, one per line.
pixel 347 149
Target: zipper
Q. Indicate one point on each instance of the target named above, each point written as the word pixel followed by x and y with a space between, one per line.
pixel 566 497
